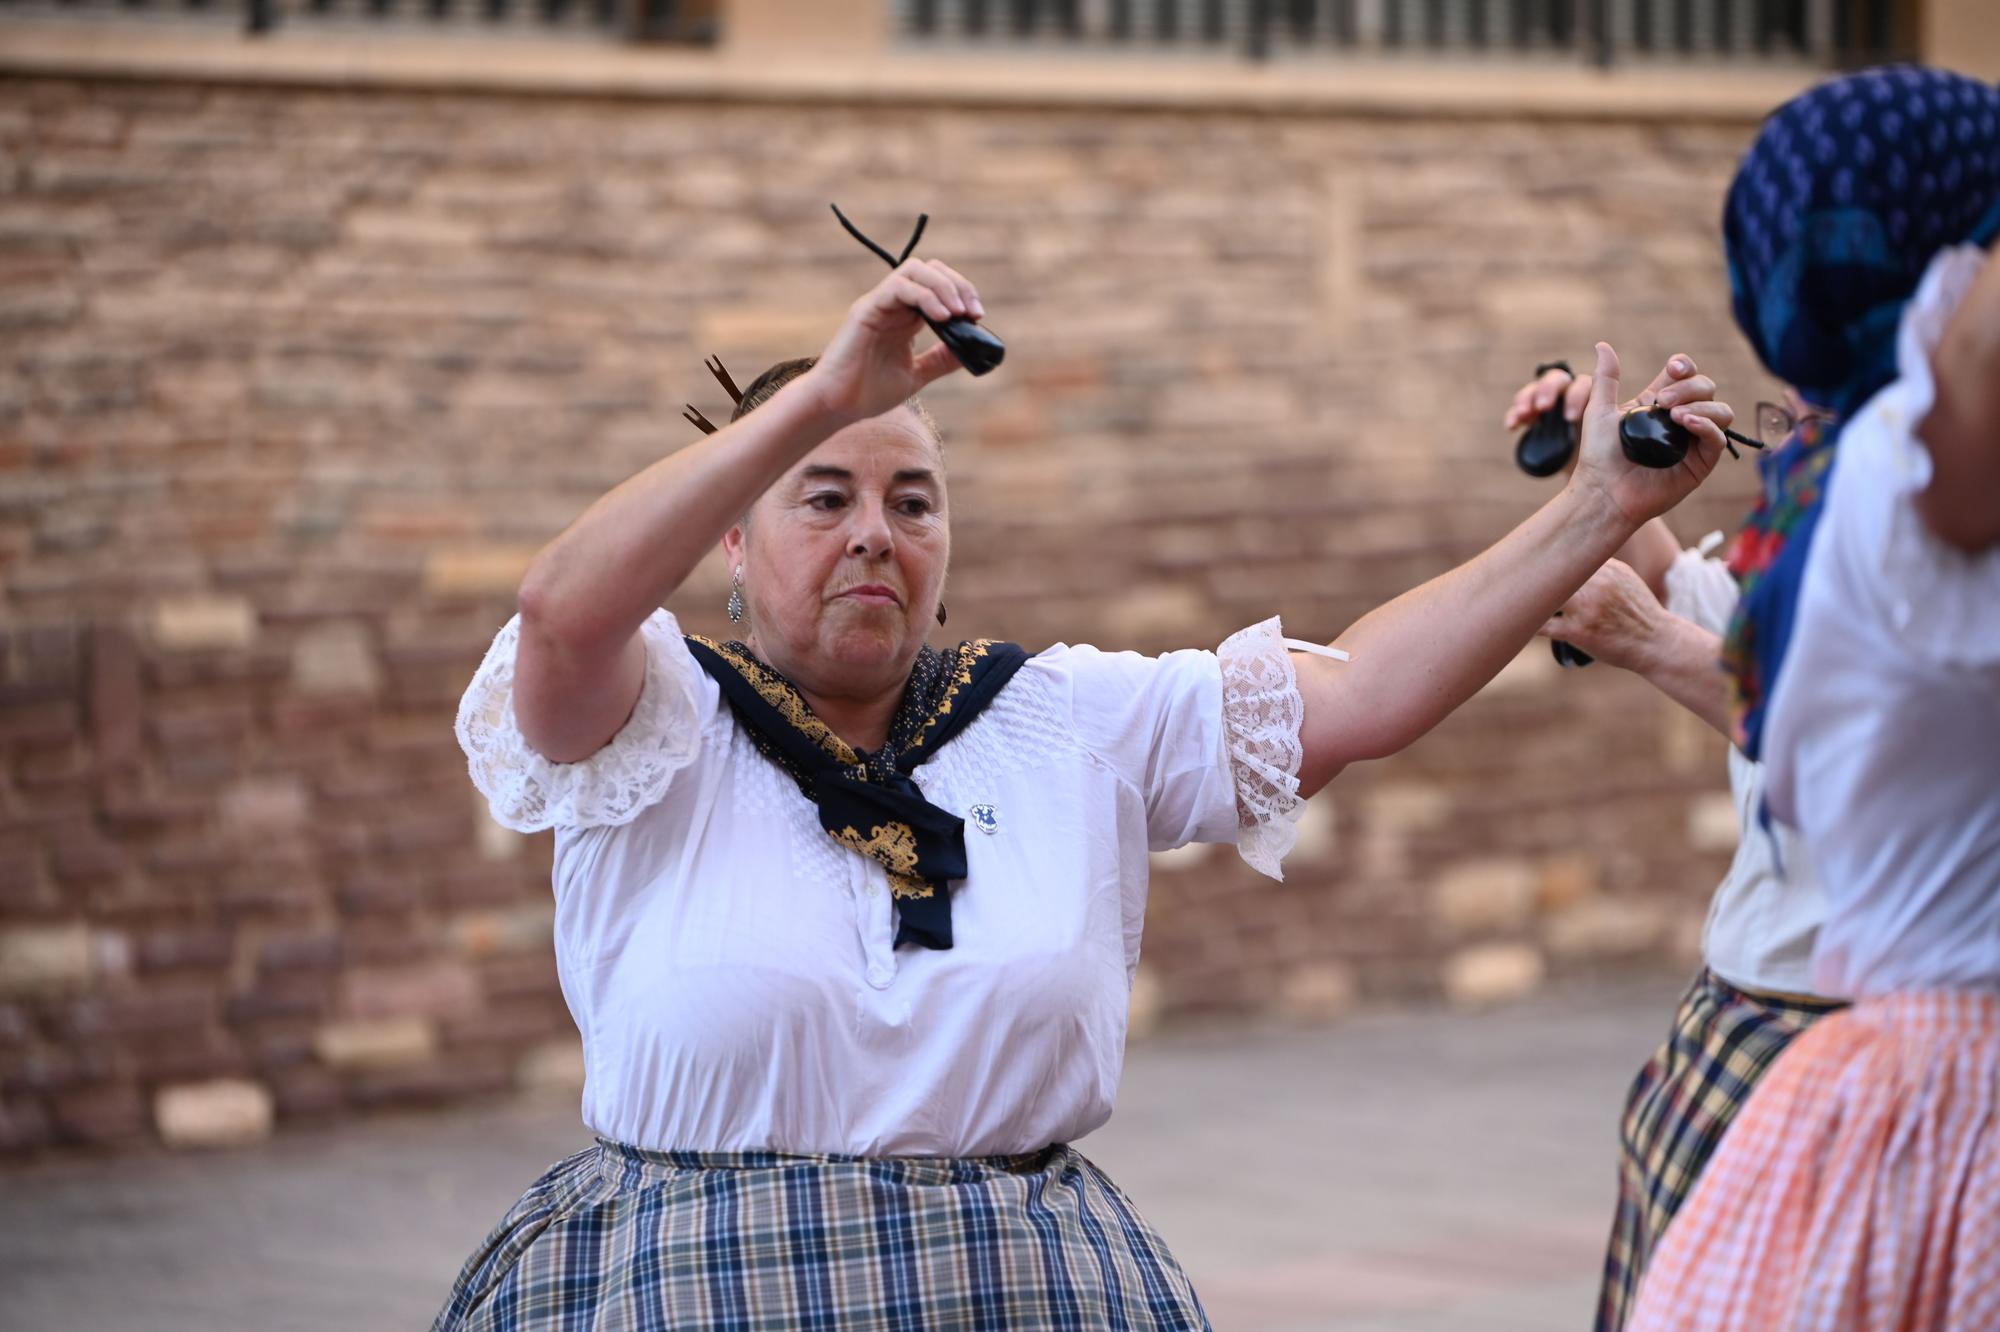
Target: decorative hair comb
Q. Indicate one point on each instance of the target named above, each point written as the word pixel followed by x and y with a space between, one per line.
pixel 693 413
pixel 975 347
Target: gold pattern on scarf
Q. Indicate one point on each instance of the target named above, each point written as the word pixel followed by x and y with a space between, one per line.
pixel 779 693
pixel 791 705
pixel 960 679
pixel 894 847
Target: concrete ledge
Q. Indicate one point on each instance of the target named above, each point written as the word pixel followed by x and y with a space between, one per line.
pixel 515 65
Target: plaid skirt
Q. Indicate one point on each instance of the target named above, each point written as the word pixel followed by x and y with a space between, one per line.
pixel 1682 1101
pixel 1859 1190
pixel 615 1239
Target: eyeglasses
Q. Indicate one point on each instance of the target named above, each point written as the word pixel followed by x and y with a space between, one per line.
pixel 1775 424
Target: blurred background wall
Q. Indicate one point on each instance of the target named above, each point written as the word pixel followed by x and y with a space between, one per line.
pixel 316 321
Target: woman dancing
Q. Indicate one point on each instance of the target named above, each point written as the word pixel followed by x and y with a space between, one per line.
pixel 848 923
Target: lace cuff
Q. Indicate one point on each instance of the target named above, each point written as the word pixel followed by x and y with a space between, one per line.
pixel 528 793
pixel 1261 714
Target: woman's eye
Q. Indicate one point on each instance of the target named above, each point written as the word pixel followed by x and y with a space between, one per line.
pixel 827 501
pixel 915 508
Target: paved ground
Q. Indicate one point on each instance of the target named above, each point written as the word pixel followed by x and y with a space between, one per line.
pixel 1400 1173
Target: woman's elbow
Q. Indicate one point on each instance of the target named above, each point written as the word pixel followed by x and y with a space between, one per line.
pixel 558 614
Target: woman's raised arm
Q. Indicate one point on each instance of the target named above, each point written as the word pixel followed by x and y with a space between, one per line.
pixel 1962 432
pixel 580 665
pixel 1416 659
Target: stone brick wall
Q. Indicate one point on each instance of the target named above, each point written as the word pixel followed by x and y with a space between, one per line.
pixel 295 382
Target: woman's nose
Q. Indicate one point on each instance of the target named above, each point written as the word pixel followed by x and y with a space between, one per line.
pixel 870 536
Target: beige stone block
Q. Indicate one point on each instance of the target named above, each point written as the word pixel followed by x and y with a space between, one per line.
pixel 1492 974
pixel 1407 807
pixel 515 930
pixel 1186 857
pixel 776 332
pixel 375 226
pixel 1148 613
pixel 1145 1006
pixel 336 659
pixel 555 1065
pixel 1487 894
pixel 1318 832
pixel 1712 822
pixel 376 1043
pixel 477 570
pixel 1545 302
pixel 1567 880
pixel 1533 668
pixel 492 840
pixel 227 1112
pixel 203 624
pixel 1606 927
pixel 43 959
pixel 265 805
pixel 1318 992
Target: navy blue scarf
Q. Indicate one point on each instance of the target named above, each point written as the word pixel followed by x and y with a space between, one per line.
pixel 867 801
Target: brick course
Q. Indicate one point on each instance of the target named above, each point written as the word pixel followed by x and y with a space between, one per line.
pixel 297 380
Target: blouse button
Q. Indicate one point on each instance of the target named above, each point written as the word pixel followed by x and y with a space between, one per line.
pixel 879 975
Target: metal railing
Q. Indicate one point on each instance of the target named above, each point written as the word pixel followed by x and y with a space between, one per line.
pixel 1825 33
pixel 683 21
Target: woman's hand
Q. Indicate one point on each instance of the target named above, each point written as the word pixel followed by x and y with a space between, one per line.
pixel 872 364
pixel 1604 474
pixel 1614 617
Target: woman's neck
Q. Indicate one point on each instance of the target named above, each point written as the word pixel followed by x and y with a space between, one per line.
pixel 862 723
pixel 862 720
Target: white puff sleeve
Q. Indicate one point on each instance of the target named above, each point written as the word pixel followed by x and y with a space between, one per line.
pixel 528 793
pixel 1262 714
pixel 1937 601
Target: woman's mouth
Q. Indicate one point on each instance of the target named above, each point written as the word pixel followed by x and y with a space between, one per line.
pixel 872 594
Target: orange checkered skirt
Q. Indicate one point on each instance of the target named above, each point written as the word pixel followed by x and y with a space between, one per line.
pixel 1859 1190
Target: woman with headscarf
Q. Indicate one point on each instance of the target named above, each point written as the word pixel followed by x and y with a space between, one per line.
pixel 1860 1187
pixel 848 924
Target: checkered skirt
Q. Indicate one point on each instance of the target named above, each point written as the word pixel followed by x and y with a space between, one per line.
pixel 615 1239
pixel 1680 1104
pixel 1859 1191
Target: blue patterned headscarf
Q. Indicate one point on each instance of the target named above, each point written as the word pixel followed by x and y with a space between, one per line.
pixel 1840 205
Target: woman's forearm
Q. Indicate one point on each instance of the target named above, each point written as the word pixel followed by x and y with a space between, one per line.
pixel 1650 553
pixel 1420 656
pixel 580 665
pixel 593 586
pixel 1684 662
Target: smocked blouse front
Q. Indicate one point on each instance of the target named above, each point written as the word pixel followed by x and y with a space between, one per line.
pixel 730 965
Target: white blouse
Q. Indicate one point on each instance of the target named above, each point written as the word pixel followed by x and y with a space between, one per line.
pixel 1766 912
pixel 730 965
pixel 1883 739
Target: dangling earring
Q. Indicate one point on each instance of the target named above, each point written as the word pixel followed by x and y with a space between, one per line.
pixel 940 612
pixel 736 596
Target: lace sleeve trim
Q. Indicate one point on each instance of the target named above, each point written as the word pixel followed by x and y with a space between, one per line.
pixel 1262 713
pixel 528 793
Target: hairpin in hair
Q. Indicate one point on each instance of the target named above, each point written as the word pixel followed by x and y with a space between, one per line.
pixel 693 413
pixel 714 364
pixel 976 348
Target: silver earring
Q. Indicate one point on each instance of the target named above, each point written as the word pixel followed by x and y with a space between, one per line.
pixel 736 597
